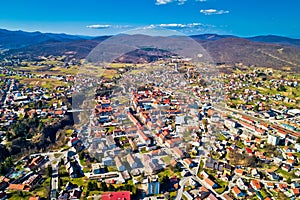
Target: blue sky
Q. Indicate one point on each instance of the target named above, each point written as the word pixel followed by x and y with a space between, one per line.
pixel 103 17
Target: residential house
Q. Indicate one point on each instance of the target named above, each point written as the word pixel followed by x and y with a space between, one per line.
pixel 20 187
pixel 33 180
pixel 269 185
pixel 297 173
pixel 133 145
pixel 239 172
pixel 178 153
pixel 211 183
pixel 153 167
pixel 126 175
pixel 36 162
pixel 295 192
pixel 286 167
pixel 131 161
pixel 295 185
pixel 278 160
pixel 110 142
pixel 35 198
pixel 119 164
pixel 170 143
pixel 249 151
pixel 255 184
pixel 237 192
pixel 211 196
pixel 107 161
pixel 144 138
pixel 282 187
pixel 273 140
pixel 273 176
pixel 97 168
pixel 217 165
pixel 227 197
pixel 173 163
pixel 189 162
pixel 161 139
pixel 290 156
pixel 75 193
pixel 241 184
pixel 255 173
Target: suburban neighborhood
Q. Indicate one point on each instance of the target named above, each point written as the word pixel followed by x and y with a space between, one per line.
pixel 163 130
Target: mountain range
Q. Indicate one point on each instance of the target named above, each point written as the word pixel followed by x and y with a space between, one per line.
pixel 268 51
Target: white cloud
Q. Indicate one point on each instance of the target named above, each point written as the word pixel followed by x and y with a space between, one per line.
pixel 106 26
pixel 181 2
pixel 178 26
pixel 171 25
pixel 99 26
pixel 185 28
pixel 214 12
pixel 163 2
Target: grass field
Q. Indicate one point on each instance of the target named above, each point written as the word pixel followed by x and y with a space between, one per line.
pixel 223 185
pixel 285 174
pixel 33 68
pixel 41 191
pixel 47 83
pixel 221 137
pixel 73 70
pixel 169 173
pixel 17 195
pixel 167 159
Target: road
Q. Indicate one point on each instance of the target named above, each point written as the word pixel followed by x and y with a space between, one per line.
pixel 54 162
pixel 194 172
pixel 182 183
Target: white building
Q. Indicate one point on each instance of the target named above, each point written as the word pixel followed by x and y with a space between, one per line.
pixel 273 140
pixel 107 161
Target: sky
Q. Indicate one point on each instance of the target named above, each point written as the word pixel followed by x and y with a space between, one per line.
pixel 105 17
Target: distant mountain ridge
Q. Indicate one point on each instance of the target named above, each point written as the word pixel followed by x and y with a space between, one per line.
pixel 268 51
pixel 19 39
pixel 276 40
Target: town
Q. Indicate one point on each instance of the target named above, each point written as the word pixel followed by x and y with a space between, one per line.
pixel 164 130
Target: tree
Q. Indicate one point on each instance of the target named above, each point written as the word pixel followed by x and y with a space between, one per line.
pixel 89 186
pixel 281 88
pixel 81 155
pixel 49 170
pixel 133 190
pixel 281 195
pixel 61 162
pixel 87 193
pixel 103 186
pixel 289 181
pixel 92 186
pixel 176 168
pixel 111 187
pixel 165 183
